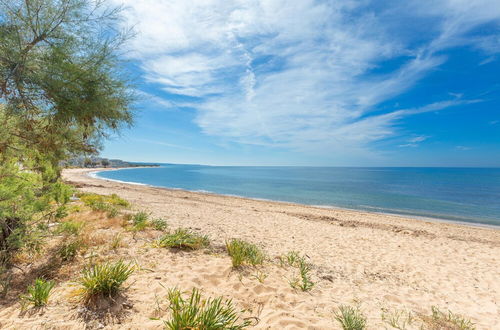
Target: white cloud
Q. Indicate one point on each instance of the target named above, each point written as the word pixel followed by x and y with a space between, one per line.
pixel 299 74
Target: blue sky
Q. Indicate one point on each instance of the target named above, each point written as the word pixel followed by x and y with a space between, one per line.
pixel 302 82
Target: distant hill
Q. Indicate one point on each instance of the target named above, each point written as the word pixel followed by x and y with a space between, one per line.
pixel 91 162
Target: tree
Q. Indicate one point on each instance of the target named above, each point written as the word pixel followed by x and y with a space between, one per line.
pixel 105 162
pixel 61 91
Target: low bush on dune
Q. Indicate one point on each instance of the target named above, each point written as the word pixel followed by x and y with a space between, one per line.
pixel 350 318
pixel 195 313
pixel 183 239
pixel 244 253
pixel 38 293
pixel 103 280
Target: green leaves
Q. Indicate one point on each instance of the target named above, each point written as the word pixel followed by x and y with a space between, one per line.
pixel 61 91
pixel 195 313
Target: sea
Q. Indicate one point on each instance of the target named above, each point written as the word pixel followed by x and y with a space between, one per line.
pixel 470 195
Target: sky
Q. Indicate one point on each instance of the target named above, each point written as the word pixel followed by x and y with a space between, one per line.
pixel 313 83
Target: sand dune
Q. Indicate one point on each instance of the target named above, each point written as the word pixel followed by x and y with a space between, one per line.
pixel 373 260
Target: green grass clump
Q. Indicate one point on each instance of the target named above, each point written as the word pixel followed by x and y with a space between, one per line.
pixel 116 242
pixel 292 259
pixel 350 318
pixel 70 228
pixel 195 313
pixel 304 281
pixel 112 212
pixel 104 280
pixel 159 224
pixel 68 251
pixel 140 221
pixel 103 203
pixel 398 319
pixel 442 320
pixel 183 239
pixel 244 253
pixel 38 293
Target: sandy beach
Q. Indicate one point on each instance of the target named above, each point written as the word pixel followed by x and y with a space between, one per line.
pixel 378 262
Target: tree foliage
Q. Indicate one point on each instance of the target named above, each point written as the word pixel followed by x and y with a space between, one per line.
pixel 61 91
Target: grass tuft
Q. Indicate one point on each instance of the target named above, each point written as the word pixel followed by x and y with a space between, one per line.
pixel 304 281
pixel 350 318
pixel 140 221
pixel 159 224
pixel 38 293
pixel 291 259
pixel 442 320
pixel 68 251
pixel 70 228
pixel 398 319
pixel 195 313
pixel 103 203
pixel 244 253
pixel 104 280
pixel 116 242
pixel 183 239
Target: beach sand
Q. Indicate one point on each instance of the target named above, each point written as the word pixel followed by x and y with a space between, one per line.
pixel 375 261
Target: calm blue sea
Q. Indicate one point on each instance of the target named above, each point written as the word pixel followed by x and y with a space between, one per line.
pixel 459 194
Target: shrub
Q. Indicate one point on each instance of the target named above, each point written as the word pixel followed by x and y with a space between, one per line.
pixel 441 320
pixel 183 239
pixel 70 228
pixel 38 293
pixel 244 253
pixel 159 224
pixel 304 282
pixel 104 280
pixel 350 318
pixel 194 313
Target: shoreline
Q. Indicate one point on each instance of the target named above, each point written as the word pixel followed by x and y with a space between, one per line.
pixel 94 174
pixel 357 258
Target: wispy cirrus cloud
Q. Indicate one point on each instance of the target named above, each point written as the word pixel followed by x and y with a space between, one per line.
pixel 303 74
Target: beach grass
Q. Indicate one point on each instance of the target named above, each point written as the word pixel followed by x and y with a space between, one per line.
pixel 159 224
pixel 69 250
pixel 350 318
pixel 103 280
pixel 303 282
pixel 195 313
pixel 446 320
pixel 140 221
pixel 183 239
pixel 70 227
pixel 244 253
pixel 37 294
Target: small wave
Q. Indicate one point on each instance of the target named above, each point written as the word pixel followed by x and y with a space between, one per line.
pixel 96 175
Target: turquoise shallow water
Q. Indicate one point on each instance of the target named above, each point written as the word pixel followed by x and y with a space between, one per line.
pixel 458 194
